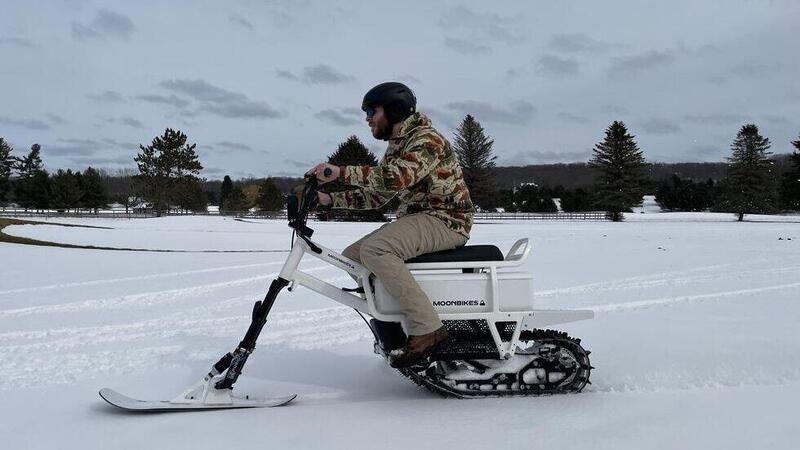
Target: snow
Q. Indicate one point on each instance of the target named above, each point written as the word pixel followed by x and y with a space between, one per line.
pixel 696 338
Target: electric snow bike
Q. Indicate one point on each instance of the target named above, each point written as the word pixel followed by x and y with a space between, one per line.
pixel 497 346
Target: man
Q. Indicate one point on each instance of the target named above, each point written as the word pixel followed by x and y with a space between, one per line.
pixel 435 211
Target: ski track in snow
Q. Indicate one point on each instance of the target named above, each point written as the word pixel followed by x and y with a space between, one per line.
pixel 136 278
pixel 142 300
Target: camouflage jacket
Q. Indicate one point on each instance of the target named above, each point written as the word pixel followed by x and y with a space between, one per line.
pixel 421 169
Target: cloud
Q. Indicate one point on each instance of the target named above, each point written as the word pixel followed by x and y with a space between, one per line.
pixel 569 117
pixel 55 119
pixel 95 161
pixel 705 150
pixel 615 109
pixel 17 42
pixel 131 122
pixel 31 124
pixel 555 67
pixel 213 171
pixel 639 63
pixel 172 100
pixel 234 146
pixel 76 147
pixel 755 70
pixel 489 25
pixel 776 120
pixel 659 126
pixel 240 21
pixel 716 119
pixel 298 164
pixel 518 112
pixel 106 97
pixel 545 157
pixel 105 23
pixel 466 46
pixel 119 144
pixel 287 75
pixel 222 102
pixel 343 117
pixel 317 74
pixel 409 79
pixel 578 43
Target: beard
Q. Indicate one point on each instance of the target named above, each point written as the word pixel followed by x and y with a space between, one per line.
pixel 382 131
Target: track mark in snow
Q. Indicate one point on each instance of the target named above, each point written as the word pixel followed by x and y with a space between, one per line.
pixel 136 278
pixel 664 278
pixel 81 352
pixel 142 300
pixel 619 307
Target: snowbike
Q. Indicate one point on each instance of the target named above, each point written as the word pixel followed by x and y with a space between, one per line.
pixel 497 344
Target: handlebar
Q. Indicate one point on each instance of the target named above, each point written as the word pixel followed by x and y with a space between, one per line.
pixel 298 208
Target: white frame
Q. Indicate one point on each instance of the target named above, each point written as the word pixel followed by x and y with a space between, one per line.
pixel 365 303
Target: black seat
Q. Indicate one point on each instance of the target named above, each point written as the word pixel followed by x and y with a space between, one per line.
pixel 465 253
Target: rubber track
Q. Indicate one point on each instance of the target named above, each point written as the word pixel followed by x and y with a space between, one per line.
pixel 546 336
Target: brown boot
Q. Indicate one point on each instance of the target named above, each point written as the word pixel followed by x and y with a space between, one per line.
pixel 417 348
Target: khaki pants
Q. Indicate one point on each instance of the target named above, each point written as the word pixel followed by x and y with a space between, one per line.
pixel 384 252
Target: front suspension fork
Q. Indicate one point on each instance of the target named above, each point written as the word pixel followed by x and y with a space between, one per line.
pixel 234 361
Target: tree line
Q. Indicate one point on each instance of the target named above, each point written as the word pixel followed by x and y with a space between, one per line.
pixel 24 179
pixel 169 168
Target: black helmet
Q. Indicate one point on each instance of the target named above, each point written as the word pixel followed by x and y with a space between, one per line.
pixel 397 99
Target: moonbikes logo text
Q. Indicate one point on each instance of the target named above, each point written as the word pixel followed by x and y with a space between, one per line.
pixel 459 303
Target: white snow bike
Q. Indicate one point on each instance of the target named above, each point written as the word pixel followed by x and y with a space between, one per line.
pixel 497 346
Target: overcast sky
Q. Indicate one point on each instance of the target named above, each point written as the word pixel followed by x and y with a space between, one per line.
pixel 270 87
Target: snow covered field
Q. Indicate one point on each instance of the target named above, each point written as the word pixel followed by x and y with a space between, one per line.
pixel 696 339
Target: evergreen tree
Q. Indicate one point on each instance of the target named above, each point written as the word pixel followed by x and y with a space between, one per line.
pixel 577 200
pixel 678 194
pixel 38 190
pixel 236 201
pixel 352 153
pixel 749 186
pixel 168 169
pixel 95 194
pixel 6 164
pixel 474 151
pixel 530 198
pixel 65 192
pixel 270 197
pixel 225 190
pixel 790 185
pixel 31 189
pixel 622 172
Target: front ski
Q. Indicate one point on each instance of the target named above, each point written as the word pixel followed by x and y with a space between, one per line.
pixel 131 404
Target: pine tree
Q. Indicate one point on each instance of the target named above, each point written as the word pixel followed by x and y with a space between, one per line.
pixel 95 194
pixel 225 190
pixel 6 164
pixel 352 153
pixel 31 189
pixel 236 201
pixel 474 151
pixel 749 186
pixel 168 168
pixel 270 197
pixel 622 172
pixel 529 198
pixel 38 190
pixel 65 192
pixel 790 185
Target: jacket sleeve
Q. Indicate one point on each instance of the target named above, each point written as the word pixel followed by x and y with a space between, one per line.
pixel 362 198
pixel 396 174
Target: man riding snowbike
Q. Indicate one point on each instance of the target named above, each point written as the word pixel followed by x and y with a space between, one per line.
pixel 435 212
